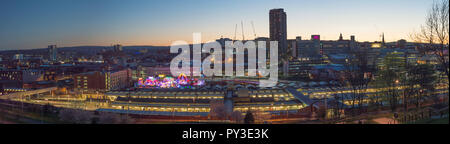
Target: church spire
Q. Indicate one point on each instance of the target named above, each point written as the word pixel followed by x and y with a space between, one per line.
pixel 340 37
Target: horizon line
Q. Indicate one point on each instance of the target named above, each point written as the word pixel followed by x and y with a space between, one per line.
pixel 171 45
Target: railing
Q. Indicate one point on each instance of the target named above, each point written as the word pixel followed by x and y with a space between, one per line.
pixel 17 95
pixel 427 113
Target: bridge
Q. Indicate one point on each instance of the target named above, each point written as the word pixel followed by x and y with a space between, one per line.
pixel 299 96
pixel 18 95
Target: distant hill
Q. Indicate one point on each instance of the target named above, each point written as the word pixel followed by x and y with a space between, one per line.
pixel 145 47
pixel 83 49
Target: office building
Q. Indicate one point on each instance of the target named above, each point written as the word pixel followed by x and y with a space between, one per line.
pixel 53 53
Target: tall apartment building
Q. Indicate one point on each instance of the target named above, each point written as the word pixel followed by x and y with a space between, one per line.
pixel 278 32
pixel 53 53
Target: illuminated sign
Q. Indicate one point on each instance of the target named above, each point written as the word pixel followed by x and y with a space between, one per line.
pixel 316 37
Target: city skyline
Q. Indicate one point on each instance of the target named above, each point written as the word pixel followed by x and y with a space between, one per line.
pixel 229 62
pixel 38 24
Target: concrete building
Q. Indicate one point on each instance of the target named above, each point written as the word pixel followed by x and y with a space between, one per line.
pixel 116 80
pixel 318 48
pixel 278 32
pixel 308 48
pixel 198 103
pixel 53 53
pixel 18 57
pixel 278 29
pixel 97 81
pixel 118 48
pixel 20 77
pixel 144 71
pixel 292 46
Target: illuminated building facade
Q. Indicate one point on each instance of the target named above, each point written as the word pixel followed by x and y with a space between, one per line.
pixel 20 76
pixel 144 71
pixel 164 81
pixel 275 101
pixel 180 103
pixel 102 81
pixel 197 103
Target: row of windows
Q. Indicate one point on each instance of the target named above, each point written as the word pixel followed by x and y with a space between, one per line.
pixel 271 95
pixel 269 108
pixel 163 109
pixel 368 91
pixel 179 97
pixel 78 77
pixel 172 93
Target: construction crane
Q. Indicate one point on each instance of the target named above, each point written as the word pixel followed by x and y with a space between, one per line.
pixel 235 32
pixel 242 26
pixel 254 32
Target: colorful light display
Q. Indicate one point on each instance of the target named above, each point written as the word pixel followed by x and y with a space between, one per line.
pixel 169 82
pixel 183 80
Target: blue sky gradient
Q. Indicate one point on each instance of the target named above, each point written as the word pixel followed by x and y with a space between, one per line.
pixel 38 23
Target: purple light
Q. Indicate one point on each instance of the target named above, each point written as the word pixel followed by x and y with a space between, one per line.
pixel 169 82
pixel 316 37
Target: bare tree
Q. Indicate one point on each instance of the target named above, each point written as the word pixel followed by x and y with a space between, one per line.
pixel 114 118
pixel 249 118
pixel 75 116
pixel 356 77
pixel 218 110
pixel 351 85
pixel 390 76
pixel 108 118
pixel 261 116
pixel 435 32
pixel 339 97
pixel 423 76
pixel 237 117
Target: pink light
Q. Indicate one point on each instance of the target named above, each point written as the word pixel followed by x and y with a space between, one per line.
pixel 316 37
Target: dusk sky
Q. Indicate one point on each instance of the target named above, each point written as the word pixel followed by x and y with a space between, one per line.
pixel 38 23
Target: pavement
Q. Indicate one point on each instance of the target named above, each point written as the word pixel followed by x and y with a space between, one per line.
pixel 385 120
